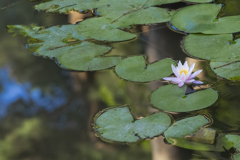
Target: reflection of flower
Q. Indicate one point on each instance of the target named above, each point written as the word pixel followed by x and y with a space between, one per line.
pixel 184 74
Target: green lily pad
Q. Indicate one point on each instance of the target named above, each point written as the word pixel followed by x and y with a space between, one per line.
pixel 136 69
pixel 236 156
pixel 185 127
pixel 100 29
pixel 199 1
pixel 221 143
pixel 213 47
pixel 202 18
pixel 142 16
pixel 234 139
pixel 228 70
pixel 86 57
pixel 64 6
pixel 173 99
pixel 118 124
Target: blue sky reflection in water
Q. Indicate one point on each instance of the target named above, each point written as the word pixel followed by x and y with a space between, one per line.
pixel 13 92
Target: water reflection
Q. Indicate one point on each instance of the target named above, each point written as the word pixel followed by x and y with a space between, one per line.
pixel 14 93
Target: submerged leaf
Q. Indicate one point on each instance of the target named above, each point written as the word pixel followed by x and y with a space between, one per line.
pixel 135 69
pixel 220 145
pixel 173 99
pixel 202 18
pixel 118 124
pixel 228 70
pixel 213 47
pixel 85 57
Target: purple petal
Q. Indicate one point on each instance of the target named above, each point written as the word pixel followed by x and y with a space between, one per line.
pixel 195 74
pixel 186 65
pixel 197 82
pixel 175 70
pixel 180 84
pixel 169 78
pixel 179 64
pixel 190 81
pixel 176 81
pixel 191 68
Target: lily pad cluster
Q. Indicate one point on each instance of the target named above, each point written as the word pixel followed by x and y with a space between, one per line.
pixel 211 37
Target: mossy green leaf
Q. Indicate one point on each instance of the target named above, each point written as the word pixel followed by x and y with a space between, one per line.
pixel 87 57
pixel 234 139
pixel 185 127
pixel 213 47
pixel 173 99
pixel 220 145
pixel 136 69
pixel 118 124
pixel 228 70
pixel 202 18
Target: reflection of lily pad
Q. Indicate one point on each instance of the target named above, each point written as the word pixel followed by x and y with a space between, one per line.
pixel 173 99
pixel 229 71
pixel 118 124
pixel 202 18
pixel 221 143
pixel 213 47
pixel 85 57
pixel 135 69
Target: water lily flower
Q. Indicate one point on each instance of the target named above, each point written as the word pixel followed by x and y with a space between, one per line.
pixel 184 74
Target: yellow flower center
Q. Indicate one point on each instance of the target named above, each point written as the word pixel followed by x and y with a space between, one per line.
pixel 184 71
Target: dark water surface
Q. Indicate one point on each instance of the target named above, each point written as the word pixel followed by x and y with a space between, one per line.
pixel 46 112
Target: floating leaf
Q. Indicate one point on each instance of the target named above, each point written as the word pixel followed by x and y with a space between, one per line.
pixel 63 6
pixel 199 1
pixel 100 29
pixel 85 57
pixel 185 127
pixel 202 18
pixel 236 156
pixel 228 70
pixel 235 139
pixel 221 143
pixel 213 47
pixel 141 16
pixel 136 69
pixel 118 124
pixel 173 99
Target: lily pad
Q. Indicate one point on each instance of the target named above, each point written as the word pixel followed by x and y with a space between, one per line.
pixel 136 69
pixel 64 6
pixel 118 124
pixel 173 99
pixel 202 18
pixel 142 16
pixel 213 47
pixel 234 139
pixel 236 156
pixel 199 1
pixel 86 57
pixel 185 127
pixel 221 143
pixel 228 70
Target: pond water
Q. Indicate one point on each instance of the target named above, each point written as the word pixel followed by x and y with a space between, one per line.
pixel 46 113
